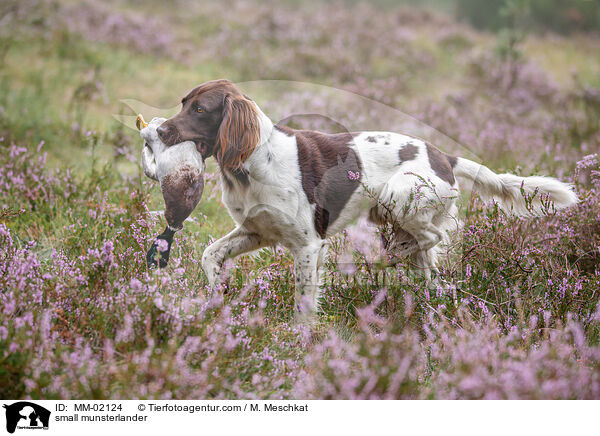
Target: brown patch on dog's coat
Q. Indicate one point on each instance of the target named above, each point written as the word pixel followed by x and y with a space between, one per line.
pixel 325 161
pixel 441 164
pixel 408 152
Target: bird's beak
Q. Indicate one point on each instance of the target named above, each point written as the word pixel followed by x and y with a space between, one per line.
pixel 139 122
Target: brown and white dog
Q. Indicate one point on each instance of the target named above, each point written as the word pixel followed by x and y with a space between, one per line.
pixel 299 187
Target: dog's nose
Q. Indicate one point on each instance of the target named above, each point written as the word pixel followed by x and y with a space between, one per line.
pixel 162 131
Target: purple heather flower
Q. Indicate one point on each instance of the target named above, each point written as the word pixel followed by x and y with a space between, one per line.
pixel 162 245
pixel 352 175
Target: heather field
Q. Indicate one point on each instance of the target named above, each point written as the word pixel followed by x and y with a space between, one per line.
pixel 82 317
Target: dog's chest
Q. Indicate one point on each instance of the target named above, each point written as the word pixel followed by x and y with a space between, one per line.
pixel 266 208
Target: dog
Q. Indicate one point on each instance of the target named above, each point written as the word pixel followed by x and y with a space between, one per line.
pixel 297 188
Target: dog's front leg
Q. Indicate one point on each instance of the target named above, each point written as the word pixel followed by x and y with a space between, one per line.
pixel 308 262
pixel 237 242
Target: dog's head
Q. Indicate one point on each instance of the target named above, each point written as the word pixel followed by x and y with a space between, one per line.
pixel 219 119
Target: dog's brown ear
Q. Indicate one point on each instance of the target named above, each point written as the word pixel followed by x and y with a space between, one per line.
pixel 239 132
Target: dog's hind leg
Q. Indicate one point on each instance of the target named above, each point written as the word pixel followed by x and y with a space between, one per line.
pixel 401 244
pixel 425 259
pixel 415 207
pixel 428 236
pixel 308 261
pixel 238 241
pixel 425 262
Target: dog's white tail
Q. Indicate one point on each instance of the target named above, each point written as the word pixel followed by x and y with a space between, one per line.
pixel 506 189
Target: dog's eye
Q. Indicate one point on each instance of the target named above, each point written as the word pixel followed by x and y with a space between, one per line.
pixel 199 110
